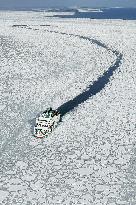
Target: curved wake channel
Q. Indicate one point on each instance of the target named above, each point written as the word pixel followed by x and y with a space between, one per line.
pixel 98 85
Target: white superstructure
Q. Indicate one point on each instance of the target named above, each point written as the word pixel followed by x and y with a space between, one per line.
pixel 46 122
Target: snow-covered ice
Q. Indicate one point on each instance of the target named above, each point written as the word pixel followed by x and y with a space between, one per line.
pixel 89 159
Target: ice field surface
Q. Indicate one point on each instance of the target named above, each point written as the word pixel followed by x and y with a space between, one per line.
pixel 90 157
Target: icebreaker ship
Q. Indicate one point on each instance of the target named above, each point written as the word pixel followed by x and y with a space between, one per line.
pixel 46 122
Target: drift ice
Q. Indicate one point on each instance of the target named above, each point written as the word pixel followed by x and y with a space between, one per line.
pixel 46 122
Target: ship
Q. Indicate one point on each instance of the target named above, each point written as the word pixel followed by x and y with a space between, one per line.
pixel 46 123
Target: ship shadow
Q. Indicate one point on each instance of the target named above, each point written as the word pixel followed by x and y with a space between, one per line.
pixel 92 90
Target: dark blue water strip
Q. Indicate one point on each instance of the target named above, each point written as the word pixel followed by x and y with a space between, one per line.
pixel 107 13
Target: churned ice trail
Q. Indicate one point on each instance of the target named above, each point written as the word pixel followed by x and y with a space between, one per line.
pixel 98 85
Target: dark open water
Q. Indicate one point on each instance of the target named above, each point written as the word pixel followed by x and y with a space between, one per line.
pixel 107 13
